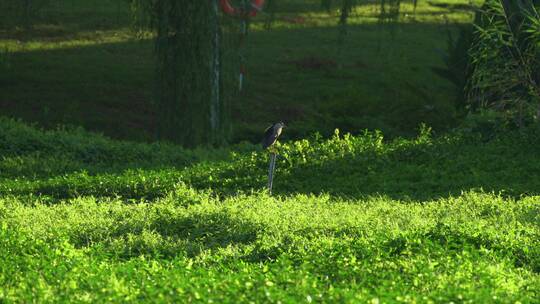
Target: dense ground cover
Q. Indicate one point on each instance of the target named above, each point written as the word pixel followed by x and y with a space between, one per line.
pixel 364 218
pixel 81 65
pixel 86 218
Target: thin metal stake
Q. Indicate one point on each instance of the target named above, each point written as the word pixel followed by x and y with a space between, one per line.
pixel 271 169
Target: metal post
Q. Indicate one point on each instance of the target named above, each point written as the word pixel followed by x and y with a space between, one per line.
pixel 271 169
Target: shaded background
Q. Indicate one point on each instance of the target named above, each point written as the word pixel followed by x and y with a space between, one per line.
pixel 79 63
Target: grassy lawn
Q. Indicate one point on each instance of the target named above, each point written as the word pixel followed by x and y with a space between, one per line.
pixel 362 218
pixel 354 220
pixel 81 65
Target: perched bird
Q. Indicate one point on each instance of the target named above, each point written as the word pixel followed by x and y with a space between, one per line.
pixel 271 134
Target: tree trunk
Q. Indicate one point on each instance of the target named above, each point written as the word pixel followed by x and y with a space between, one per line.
pixel 190 106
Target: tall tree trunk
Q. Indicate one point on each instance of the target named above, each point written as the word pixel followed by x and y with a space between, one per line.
pixel 189 92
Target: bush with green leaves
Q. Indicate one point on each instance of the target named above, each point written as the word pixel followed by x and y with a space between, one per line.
pixel 505 61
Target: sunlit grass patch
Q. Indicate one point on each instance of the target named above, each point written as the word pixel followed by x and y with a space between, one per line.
pixel 474 247
pixel 459 11
pixel 70 41
pixel 352 218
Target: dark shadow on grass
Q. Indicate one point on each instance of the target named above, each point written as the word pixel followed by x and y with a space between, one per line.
pixel 61 20
pixel 452 7
pixel 521 255
pixel 411 172
pixel 167 236
pixel 104 88
pixel 207 232
pixel 420 173
pixel 108 87
pixel 439 238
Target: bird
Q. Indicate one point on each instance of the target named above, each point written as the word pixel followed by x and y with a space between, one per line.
pixel 271 134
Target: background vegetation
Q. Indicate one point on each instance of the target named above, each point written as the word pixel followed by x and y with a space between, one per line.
pixel 94 72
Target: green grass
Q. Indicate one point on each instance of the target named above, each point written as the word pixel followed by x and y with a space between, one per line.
pixel 80 65
pixel 475 248
pixel 451 218
pixel 354 219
